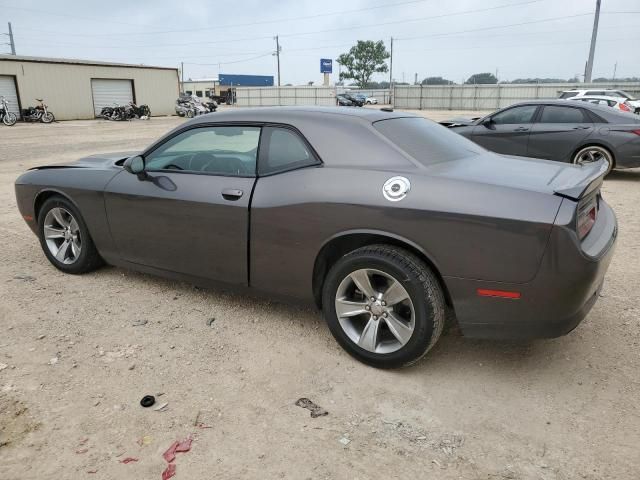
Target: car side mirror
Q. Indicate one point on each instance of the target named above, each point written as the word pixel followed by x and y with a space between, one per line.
pixel 134 165
pixel 488 123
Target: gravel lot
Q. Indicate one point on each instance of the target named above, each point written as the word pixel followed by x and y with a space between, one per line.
pixel 76 356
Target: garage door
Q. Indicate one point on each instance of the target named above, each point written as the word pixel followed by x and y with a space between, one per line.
pixel 8 91
pixel 106 92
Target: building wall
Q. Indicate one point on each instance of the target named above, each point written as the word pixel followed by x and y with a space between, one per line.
pixel 196 86
pixel 66 88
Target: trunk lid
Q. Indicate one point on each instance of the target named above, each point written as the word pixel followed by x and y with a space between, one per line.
pixel 545 176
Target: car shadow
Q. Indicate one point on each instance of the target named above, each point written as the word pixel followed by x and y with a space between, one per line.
pixel 633 174
pixel 452 352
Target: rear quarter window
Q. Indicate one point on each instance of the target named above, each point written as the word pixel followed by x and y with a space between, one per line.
pixel 426 141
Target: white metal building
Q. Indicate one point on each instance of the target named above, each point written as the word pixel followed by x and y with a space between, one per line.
pixel 75 89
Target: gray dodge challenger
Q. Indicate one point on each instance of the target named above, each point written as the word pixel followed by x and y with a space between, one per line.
pixel 389 222
pixel 561 130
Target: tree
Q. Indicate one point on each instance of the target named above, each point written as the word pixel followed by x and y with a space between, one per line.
pixel 482 78
pixel 436 81
pixel 363 60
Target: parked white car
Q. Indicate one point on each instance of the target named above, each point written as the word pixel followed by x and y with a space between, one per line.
pixel 603 92
pixel 614 102
pixel 371 101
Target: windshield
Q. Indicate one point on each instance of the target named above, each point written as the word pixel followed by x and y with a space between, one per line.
pixel 624 94
pixel 426 141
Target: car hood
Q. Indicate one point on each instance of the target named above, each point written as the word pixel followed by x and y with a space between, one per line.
pixel 101 160
pixel 459 122
pixel 545 176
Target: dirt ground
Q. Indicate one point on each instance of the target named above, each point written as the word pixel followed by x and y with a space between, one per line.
pixel 77 353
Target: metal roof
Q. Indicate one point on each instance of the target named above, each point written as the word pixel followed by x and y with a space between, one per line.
pixel 75 61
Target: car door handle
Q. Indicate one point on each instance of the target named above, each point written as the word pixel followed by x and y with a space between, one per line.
pixel 232 194
pixel 581 127
pixel 521 129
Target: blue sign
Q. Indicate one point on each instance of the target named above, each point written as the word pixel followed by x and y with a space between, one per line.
pixel 326 65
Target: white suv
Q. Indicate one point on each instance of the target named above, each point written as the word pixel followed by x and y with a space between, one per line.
pixel 604 92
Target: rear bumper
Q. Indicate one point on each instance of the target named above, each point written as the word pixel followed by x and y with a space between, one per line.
pixel 563 292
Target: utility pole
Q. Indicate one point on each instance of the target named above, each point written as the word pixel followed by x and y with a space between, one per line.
pixel 391 73
pixel 615 67
pixel 415 79
pixel 592 48
pixel 277 54
pixel 182 77
pixel 11 42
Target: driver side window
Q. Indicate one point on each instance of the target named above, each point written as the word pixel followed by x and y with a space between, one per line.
pixel 523 114
pixel 228 151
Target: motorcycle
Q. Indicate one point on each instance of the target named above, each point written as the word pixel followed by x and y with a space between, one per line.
pixel 210 106
pixel 39 113
pixel 142 112
pixel 125 112
pixel 8 118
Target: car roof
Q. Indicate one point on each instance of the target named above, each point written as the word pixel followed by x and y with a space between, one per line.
pixel 609 114
pixel 290 115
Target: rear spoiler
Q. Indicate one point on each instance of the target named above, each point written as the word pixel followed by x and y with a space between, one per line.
pixel 591 178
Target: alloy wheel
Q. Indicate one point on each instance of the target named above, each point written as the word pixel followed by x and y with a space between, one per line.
pixel 593 154
pixel 62 235
pixel 375 311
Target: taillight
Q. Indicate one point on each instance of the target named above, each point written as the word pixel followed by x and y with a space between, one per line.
pixel 587 214
pixel 624 107
pixel 637 132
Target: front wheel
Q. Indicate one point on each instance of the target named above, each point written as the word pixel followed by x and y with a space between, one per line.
pixel 9 119
pixel 594 153
pixel 384 306
pixel 64 237
pixel 47 117
pixel 190 113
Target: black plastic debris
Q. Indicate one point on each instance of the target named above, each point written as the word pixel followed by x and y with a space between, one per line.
pixel 147 401
pixel 316 410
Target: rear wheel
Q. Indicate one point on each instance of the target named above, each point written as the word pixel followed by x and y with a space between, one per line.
pixel 384 306
pixel 593 153
pixel 9 119
pixel 64 237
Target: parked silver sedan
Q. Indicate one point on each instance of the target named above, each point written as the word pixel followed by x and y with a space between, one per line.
pixel 572 132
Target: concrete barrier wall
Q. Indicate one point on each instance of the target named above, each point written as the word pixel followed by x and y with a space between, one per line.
pixel 276 96
pixel 488 97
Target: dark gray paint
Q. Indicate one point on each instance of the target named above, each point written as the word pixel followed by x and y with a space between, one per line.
pixel 484 221
pixel 603 126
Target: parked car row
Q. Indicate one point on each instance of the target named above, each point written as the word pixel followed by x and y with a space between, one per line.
pixel 348 99
pixel 191 106
pixel 573 132
pixel 39 113
pixel 126 112
pixel 612 98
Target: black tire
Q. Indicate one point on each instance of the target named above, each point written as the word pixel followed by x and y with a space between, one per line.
pixel 89 259
pixel 190 113
pixel 47 117
pixel 419 282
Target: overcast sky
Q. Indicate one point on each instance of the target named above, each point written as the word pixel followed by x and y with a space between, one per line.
pixel 449 38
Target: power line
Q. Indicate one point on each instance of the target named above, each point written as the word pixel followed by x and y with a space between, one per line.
pixel 496 27
pixel 352 27
pixel 228 63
